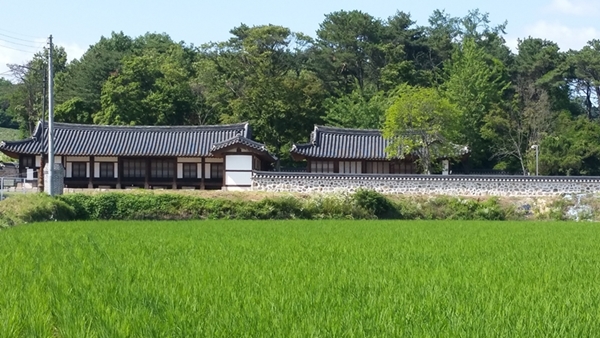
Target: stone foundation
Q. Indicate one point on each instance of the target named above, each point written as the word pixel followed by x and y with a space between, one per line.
pixel 464 185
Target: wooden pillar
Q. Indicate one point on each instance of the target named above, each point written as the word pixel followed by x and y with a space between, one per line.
pixel 147 175
pixel 92 173
pixel 119 172
pixel 175 173
pixel 224 171
pixel 202 174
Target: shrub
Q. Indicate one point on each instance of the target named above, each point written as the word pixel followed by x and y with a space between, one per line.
pixel 376 203
pixel 21 209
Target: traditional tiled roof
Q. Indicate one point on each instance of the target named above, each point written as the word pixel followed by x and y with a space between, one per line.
pixel 97 140
pixel 246 142
pixel 343 143
pixel 346 143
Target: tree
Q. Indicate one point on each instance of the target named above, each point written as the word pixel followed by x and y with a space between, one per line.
pixel 27 99
pixel 475 84
pixel 585 66
pixel 573 149
pixel 540 62
pixel 521 123
pixel 357 110
pixel 258 76
pixel 6 90
pixel 421 121
pixel 150 89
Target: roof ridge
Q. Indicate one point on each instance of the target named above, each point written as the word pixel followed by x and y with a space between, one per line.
pixel 343 130
pixel 80 126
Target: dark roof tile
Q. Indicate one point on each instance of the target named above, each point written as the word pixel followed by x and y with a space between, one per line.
pixel 96 140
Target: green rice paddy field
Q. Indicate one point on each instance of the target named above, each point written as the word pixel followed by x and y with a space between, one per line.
pixel 300 279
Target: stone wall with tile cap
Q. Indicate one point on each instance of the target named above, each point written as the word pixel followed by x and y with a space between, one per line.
pixel 455 185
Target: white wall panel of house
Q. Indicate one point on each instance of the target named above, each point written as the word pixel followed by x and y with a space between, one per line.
pixel 213 160
pixel 179 170
pixel 238 178
pixel 87 169
pixel 38 161
pixel 69 170
pixel 207 170
pixel 199 172
pixel 57 159
pixel 116 170
pixel 96 169
pixel 238 162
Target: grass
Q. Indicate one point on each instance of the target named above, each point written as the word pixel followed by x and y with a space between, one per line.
pixel 300 279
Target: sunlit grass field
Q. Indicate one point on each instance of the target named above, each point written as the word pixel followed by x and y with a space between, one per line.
pixel 300 279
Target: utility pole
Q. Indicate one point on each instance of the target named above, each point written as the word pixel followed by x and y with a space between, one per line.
pixel 43 122
pixel 50 120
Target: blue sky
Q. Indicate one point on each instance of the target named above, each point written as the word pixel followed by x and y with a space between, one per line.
pixel 25 24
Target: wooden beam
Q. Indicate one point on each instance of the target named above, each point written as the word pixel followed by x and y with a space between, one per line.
pixel 92 173
pixel 202 174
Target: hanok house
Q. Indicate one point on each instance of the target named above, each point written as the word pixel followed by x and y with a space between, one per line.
pixel 354 151
pixel 171 157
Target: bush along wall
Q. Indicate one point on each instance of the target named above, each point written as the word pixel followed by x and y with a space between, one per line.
pixel 364 204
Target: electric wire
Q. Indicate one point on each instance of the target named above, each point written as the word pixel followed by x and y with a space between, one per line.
pixel 19 44
pixel 19 50
pixel 21 34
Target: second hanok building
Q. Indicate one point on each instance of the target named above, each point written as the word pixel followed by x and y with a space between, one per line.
pixel 357 151
pixel 171 157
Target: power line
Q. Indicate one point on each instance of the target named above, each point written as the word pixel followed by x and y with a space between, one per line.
pixel 21 34
pixel 18 39
pixel 19 50
pixel 20 44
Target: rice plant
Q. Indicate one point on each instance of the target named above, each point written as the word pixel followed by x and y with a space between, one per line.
pixel 300 279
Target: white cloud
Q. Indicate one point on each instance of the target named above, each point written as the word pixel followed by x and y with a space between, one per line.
pixel 565 36
pixel 576 7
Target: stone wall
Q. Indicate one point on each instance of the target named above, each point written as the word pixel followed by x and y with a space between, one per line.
pixel 463 185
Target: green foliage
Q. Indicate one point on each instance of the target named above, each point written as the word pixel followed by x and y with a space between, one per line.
pixel 376 203
pixel 573 149
pixel 475 84
pixel 74 111
pixel 421 121
pixel 364 204
pixel 358 109
pixel 150 89
pixel 22 209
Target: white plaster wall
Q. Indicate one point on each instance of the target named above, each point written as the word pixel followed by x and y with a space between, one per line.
pixel 238 162
pixel 238 178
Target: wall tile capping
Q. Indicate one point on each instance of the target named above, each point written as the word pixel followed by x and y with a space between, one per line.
pixel 454 185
